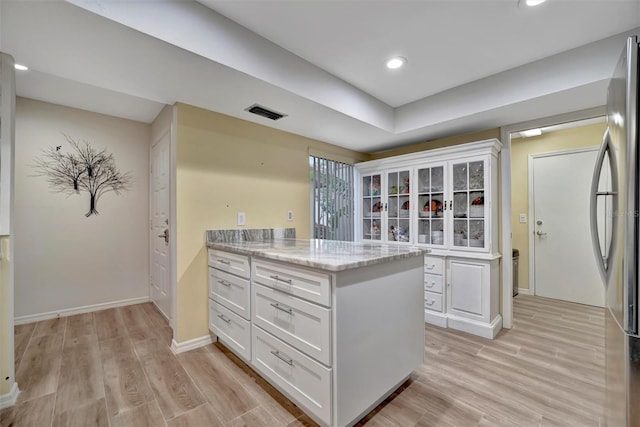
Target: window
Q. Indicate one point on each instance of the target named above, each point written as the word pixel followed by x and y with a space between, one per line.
pixel 331 199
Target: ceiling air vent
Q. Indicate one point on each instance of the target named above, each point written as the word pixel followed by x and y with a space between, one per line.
pixel 265 112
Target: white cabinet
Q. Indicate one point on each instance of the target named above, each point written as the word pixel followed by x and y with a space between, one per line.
pixel 472 303
pixel 449 197
pixel 463 294
pixel 335 342
pixel 385 206
pixel 441 198
pixel 432 201
pixel 230 300
pixel 231 329
pixel 302 283
pixel 298 375
pixel 434 291
pixel 302 324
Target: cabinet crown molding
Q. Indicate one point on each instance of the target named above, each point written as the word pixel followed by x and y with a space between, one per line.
pixel 487 146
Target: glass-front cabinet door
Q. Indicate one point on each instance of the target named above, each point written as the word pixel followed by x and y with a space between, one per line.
pixel 372 207
pixel 431 205
pixel 468 210
pixel 398 206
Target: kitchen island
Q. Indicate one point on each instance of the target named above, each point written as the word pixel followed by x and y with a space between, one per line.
pixel 335 326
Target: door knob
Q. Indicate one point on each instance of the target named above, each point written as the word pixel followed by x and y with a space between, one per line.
pixel 165 235
pixel 540 233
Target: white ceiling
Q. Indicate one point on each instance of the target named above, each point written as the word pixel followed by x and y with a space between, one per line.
pixel 472 64
pixel 447 42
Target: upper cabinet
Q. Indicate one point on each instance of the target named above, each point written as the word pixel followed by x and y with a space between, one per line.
pixel 442 198
pixel 431 205
pixel 386 206
pixel 372 206
pixel 469 211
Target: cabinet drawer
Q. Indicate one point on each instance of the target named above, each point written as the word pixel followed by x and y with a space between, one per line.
pixel 306 381
pixel 433 301
pixel 229 262
pixel 433 283
pixel 306 284
pixel 230 291
pixel 433 265
pixel 231 329
pixel 304 325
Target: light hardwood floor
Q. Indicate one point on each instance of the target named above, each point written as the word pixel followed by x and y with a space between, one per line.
pixel 114 368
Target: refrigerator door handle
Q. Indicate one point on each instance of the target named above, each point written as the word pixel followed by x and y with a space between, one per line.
pixel 601 259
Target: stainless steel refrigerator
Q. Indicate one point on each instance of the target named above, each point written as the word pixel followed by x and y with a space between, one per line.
pixel 614 223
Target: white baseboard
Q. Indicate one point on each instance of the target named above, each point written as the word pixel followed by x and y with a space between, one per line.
pixel 485 330
pixel 438 319
pixel 9 399
pixel 178 348
pixel 524 291
pixel 77 310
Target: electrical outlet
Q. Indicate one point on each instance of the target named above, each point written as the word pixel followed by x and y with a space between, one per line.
pixel 523 218
pixel 241 218
pixel 289 215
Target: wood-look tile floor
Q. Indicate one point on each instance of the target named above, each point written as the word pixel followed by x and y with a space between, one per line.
pixel 115 368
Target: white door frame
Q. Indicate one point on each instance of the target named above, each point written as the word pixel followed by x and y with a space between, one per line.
pixel 532 208
pixel 506 269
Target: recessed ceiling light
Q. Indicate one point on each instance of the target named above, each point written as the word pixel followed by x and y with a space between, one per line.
pixel 531 132
pixel 396 62
pixel 21 67
pixel 534 2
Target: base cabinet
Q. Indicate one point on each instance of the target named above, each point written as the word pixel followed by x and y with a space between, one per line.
pixel 469 301
pixel 294 372
pixel 318 336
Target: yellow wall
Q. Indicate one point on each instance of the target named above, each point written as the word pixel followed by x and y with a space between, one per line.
pixel 439 143
pixel 521 148
pixel 6 323
pixel 224 166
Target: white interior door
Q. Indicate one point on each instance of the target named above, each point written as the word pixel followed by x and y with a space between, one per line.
pixel 563 261
pixel 161 290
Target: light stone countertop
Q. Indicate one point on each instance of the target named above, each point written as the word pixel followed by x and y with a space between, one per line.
pixel 329 255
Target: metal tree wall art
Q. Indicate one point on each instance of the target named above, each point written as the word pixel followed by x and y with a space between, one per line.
pixel 83 168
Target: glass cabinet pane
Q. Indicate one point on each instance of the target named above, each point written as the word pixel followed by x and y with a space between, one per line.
pixel 398 208
pixel 476 233
pixel 460 178
pixel 371 207
pixel 424 180
pixel 437 178
pixel 431 206
pixel 460 233
pixel 437 232
pixel 468 204
pixel 476 175
pixel 366 186
pixel 476 208
pixel 460 205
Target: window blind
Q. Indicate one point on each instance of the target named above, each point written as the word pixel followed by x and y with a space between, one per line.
pixel 331 199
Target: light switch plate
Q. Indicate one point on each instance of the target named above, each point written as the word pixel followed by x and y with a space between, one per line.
pixel 289 215
pixel 523 218
pixel 241 218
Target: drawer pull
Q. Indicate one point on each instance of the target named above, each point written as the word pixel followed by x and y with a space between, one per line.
pixel 431 303
pixel 222 261
pixel 431 267
pixel 281 357
pixel 279 307
pixel 224 283
pixel 280 279
pixel 431 285
pixel 224 319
